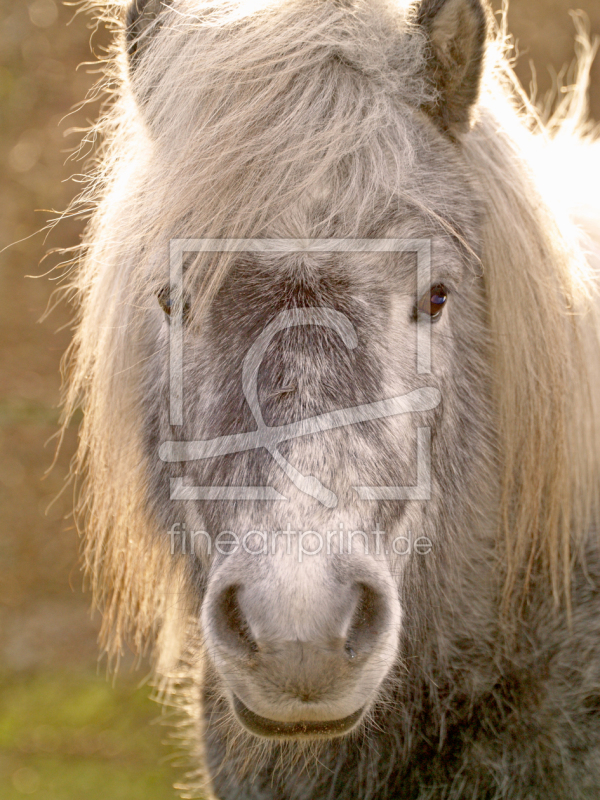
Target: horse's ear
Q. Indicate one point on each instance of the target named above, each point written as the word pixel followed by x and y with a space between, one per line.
pixel 456 33
pixel 141 23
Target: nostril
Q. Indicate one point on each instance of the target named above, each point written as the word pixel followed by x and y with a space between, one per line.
pixel 368 622
pixel 232 625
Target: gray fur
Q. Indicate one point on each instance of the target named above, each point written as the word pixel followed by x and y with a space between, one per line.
pixel 456 31
pixel 472 671
pixel 142 21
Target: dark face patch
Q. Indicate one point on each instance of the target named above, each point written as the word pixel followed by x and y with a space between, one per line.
pixel 307 370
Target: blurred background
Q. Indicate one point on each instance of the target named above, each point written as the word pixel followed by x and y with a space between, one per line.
pixel 66 731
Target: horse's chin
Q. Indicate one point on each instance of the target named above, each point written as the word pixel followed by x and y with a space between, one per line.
pixel 274 729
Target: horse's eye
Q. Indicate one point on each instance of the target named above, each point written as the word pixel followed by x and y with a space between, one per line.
pixel 166 303
pixel 432 303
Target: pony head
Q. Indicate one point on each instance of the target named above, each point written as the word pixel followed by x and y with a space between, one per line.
pixel 330 353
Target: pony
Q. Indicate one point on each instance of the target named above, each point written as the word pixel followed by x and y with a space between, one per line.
pixel 337 353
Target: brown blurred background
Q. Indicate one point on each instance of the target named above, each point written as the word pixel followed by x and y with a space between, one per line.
pixel 64 732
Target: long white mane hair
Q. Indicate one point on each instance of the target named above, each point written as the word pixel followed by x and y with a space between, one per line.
pixel 172 161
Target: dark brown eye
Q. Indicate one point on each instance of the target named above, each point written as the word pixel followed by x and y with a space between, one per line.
pixel 167 304
pixel 432 303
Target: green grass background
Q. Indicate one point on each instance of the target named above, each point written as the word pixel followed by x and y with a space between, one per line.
pixel 73 736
